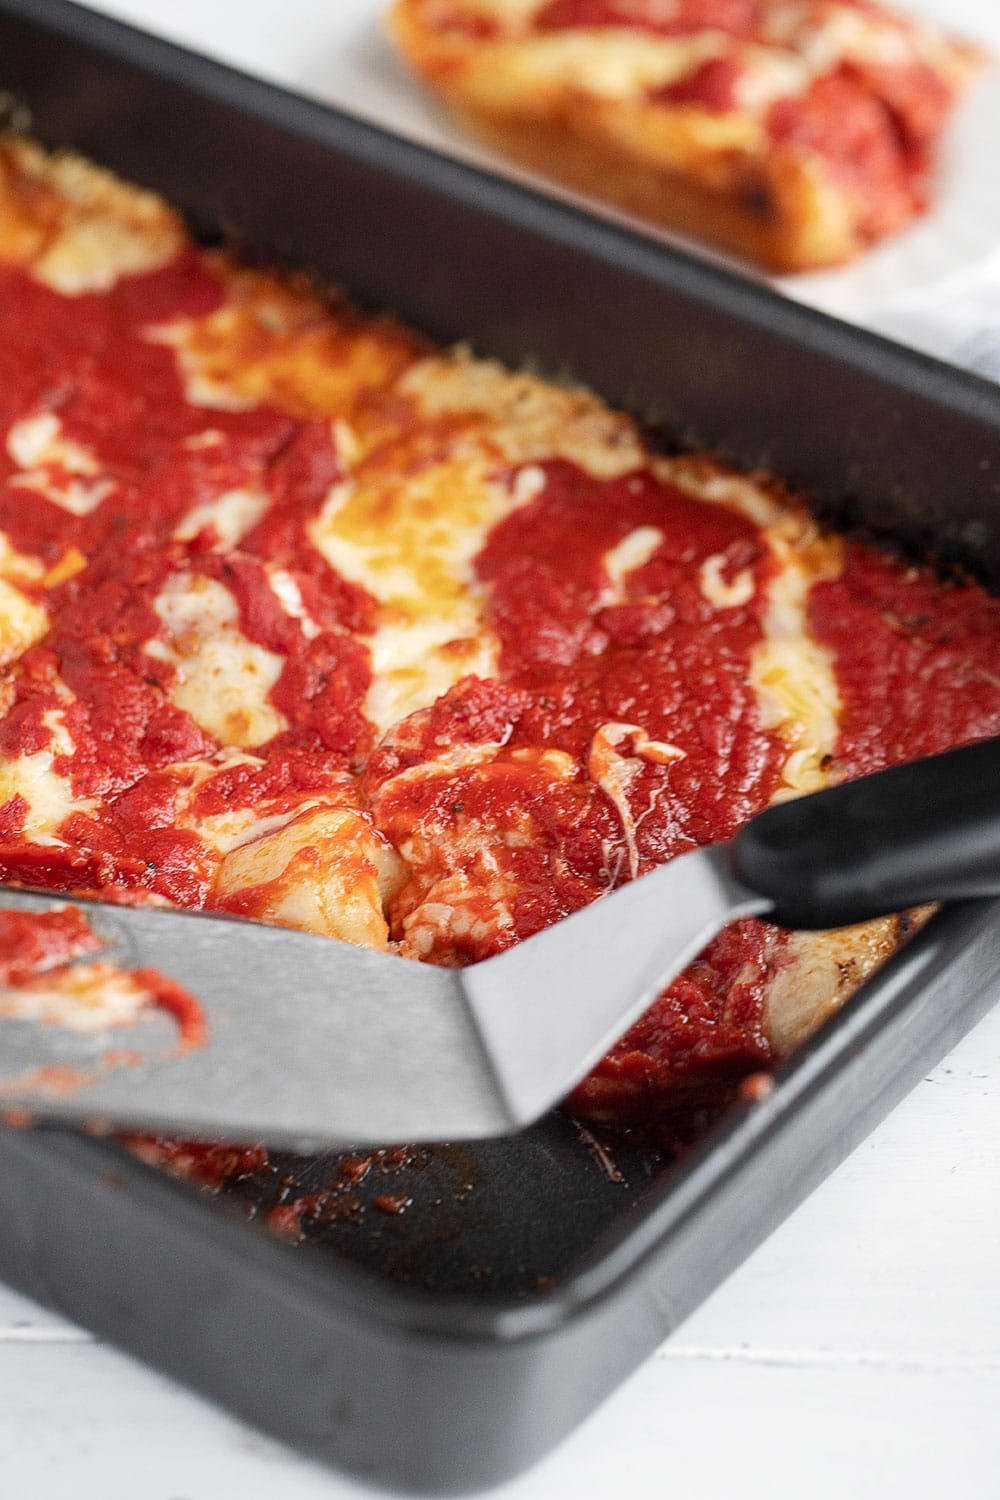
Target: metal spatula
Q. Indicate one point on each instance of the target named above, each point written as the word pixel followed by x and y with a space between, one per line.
pixel 314 1042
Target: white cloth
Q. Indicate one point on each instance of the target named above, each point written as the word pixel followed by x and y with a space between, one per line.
pixel 962 329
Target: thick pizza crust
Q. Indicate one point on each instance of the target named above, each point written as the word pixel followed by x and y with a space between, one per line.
pixel 784 217
pixel 824 969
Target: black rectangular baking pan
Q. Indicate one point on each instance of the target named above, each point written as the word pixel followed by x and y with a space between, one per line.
pixel 446 1349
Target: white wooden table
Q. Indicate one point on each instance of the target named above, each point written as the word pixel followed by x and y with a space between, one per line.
pixel 856 1354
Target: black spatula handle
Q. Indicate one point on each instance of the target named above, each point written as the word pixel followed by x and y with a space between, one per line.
pixel 926 831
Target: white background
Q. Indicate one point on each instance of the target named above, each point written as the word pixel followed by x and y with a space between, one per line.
pixel 856 1354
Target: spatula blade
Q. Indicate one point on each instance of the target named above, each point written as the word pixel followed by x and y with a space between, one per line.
pixel 550 1008
pixel 312 1042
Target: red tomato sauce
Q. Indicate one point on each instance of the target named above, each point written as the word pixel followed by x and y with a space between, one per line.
pixel 875 127
pixel 713 86
pixel 679 669
pixel 706 1030
pixel 206 1163
pixel 462 22
pixel 31 943
pixel 36 943
pixel 172 998
pixel 660 654
pixel 665 17
pixel 96 362
pixel 918 660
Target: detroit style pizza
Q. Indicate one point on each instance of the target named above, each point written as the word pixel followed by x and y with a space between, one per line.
pixel 796 133
pixel 304 619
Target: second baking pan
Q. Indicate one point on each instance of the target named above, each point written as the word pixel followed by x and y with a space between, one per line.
pixel 445 1349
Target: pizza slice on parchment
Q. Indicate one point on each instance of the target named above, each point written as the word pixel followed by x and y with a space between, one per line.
pixel 796 133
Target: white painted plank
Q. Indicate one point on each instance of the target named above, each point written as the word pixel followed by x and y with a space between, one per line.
pixel 85 1422
pixel 706 1431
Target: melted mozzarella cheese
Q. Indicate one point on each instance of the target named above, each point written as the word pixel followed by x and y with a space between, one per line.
pixel 289 596
pixel 239 822
pixel 457 758
pixel 411 544
pixel 614 772
pixel 241 826
pixel 222 679
pixel 794 677
pixel 230 515
pixel 457 911
pixel 77 496
pixel 768 76
pixel 54 466
pixel 738 591
pixel 49 796
pixel 410 536
pixel 827 37
pixel 632 552
pixel 611 63
pixel 202 387
pixel 416 660
pixel 37 441
pixel 22 622
pixel 82 997
pixel 523 419
pixel 90 256
pixel 319 873
pixel 77 228
pixel 736 491
pixel 210 437
pixel 275 343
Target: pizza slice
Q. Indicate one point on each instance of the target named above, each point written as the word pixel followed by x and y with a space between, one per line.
pixel 796 133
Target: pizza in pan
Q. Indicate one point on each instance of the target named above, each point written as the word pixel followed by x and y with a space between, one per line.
pixel 304 619
pixel 796 133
